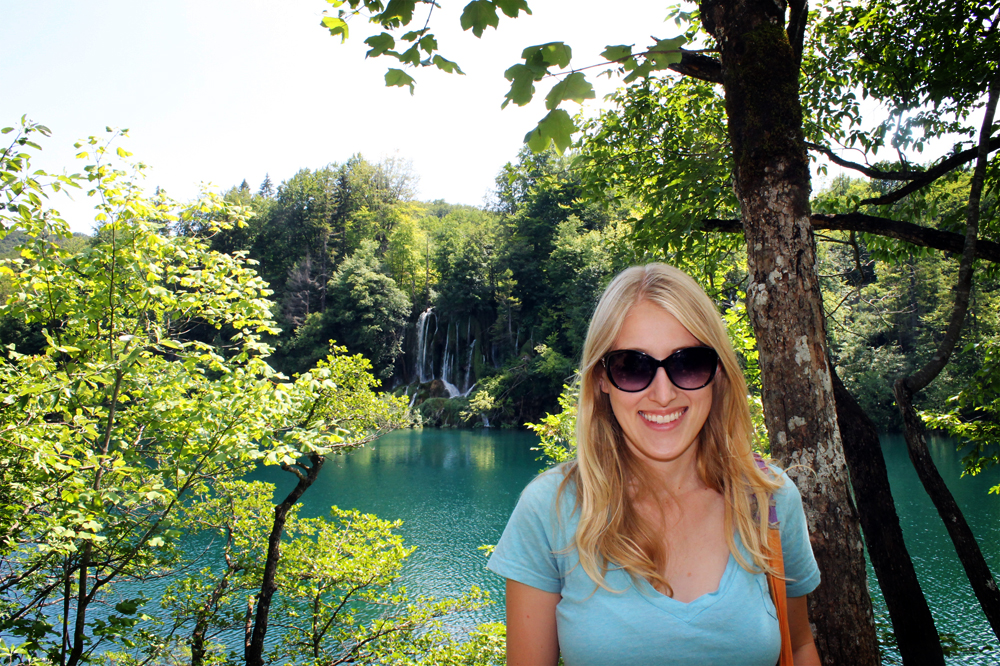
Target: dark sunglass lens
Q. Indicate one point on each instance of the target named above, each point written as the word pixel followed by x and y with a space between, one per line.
pixel 692 368
pixel 630 370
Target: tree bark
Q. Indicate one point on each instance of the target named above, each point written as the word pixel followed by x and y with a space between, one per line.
pixel 912 623
pixel 254 654
pixel 771 179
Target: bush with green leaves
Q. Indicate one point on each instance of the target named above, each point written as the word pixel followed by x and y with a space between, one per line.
pixel 129 429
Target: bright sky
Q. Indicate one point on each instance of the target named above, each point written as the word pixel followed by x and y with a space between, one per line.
pixel 215 91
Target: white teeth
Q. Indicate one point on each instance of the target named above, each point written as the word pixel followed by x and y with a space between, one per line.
pixel 662 418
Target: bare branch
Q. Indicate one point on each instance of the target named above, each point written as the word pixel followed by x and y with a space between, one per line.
pixel 945 241
pixel 917 180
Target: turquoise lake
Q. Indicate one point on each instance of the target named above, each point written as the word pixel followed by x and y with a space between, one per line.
pixel 454 490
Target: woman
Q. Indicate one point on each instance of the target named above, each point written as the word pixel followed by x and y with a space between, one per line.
pixel 648 549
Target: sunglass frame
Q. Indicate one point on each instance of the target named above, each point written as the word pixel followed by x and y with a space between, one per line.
pixel 660 364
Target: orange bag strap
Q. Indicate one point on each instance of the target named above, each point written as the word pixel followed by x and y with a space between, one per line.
pixel 776 583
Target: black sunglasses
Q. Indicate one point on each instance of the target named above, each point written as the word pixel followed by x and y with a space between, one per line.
pixel 632 371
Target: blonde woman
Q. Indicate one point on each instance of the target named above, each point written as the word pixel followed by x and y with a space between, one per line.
pixel 648 548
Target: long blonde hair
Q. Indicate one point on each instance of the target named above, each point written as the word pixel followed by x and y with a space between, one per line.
pixel 606 474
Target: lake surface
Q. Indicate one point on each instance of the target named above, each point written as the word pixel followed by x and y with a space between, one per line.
pixel 957 613
pixel 455 489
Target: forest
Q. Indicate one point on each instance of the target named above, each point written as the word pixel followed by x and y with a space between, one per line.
pixel 149 365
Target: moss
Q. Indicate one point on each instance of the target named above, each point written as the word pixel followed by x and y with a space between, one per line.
pixel 444 412
pixel 762 101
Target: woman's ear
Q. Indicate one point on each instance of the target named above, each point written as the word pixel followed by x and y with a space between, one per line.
pixel 600 382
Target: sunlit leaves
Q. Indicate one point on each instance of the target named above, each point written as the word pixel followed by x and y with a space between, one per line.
pixel 151 386
pixel 555 128
pixel 617 53
pixel 667 147
pixel 522 87
pixel 397 77
pixel 337 26
pixel 381 43
pixel 446 65
pixel 397 13
pixel 478 15
pixel 574 87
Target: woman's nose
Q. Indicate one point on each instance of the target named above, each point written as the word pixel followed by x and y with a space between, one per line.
pixel 662 390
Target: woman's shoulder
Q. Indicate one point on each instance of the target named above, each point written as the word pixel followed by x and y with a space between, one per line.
pixel 544 488
pixel 787 497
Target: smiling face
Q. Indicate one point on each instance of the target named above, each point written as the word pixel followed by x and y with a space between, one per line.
pixel 661 423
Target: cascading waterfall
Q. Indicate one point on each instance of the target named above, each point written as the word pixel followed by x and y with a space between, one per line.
pixel 422 343
pixel 447 365
pixel 468 369
pixel 451 370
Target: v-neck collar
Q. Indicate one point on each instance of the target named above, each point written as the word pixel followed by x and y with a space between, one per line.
pixel 688 611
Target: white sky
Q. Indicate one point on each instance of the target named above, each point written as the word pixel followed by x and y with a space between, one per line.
pixel 215 91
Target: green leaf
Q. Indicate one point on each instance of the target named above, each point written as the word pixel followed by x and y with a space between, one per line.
pixel 399 78
pixel 637 70
pixel 666 52
pixel 479 14
pixel 397 12
pixel 447 65
pixel 546 55
pixel 522 87
pixel 379 44
pixel 616 53
pixel 337 26
pixel 428 43
pixel 410 56
pixel 557 127
pixel 575 87
pixel 512 7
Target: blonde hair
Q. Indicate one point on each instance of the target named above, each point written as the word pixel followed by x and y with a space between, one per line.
pixel 606 474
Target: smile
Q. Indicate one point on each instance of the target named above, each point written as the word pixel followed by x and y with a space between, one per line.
pixel 663 418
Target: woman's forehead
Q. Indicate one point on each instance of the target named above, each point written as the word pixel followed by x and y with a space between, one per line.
pixel 648 327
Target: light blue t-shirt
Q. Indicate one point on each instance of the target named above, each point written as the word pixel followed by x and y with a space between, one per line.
pixel 734 626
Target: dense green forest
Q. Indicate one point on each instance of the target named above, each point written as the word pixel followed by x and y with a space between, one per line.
pixel 456 305
pixel 478 314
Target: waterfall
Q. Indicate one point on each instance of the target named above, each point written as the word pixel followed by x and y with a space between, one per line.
pixel 468 368
pixel 446 361
pixel 447 364
pixel 422 343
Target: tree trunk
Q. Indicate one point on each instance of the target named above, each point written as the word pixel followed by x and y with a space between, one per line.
pixel 255 647
pixel 971 556
pixel 771 180
pixel 980 577
pixel 912 623
pixel 200 631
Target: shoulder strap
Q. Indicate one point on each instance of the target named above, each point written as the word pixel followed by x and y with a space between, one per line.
pixel 776 584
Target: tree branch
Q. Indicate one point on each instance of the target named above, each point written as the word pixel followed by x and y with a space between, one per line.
pixel 798 16
pixel 917 180
pixel 945 241
pixel 698 66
